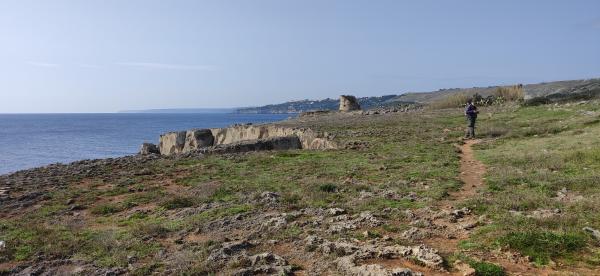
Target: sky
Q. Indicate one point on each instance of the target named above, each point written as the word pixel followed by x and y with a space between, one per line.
pixel 111 55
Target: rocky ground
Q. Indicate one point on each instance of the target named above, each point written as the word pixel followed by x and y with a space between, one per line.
pixel 400 196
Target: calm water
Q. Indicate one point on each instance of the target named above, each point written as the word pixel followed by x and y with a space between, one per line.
pixel 32 140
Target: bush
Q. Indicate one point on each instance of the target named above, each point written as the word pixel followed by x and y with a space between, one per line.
pixel 541 246
pixel 329 188
pixel 151 229
pixel 487 269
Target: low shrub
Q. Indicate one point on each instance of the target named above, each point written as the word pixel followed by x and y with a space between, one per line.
pixel 328 188
pixel 487 269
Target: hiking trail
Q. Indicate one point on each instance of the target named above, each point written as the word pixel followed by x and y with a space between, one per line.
pixel 471 172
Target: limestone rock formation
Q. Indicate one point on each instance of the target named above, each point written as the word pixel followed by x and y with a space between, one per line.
pixel 309 139
pixel 275 143
pixel 348 103
pixel 198 138
pixel 172 142
pixel 243 138
pixel 149 148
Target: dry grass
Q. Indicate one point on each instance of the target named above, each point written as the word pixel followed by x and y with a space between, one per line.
pixel 511 93
pixel 451 101
pixel 502 94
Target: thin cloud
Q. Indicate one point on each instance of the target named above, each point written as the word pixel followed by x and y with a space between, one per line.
pixel 166 66
pixel 43 64
pixel 90 66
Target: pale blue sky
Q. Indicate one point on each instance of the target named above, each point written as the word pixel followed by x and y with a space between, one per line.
pixel 105 56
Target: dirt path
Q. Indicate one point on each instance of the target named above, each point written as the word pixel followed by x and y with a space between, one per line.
pixel 471 172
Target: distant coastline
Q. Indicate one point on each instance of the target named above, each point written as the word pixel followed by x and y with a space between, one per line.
pixel 184 110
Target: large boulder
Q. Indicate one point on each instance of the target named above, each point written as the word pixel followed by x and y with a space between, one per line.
pixel 172 142
pixel 348 103
pixel 198 138
pixel 149 148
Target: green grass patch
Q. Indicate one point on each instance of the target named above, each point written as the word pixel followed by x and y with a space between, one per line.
pixel 487 269
pixel 214 214
pixel 106 209
pixel 542 246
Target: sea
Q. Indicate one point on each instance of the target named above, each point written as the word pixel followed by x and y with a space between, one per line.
pixel 33 140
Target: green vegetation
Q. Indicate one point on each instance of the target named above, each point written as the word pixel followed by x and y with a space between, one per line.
pixel 329 188
pixel 543 166
pixel 545 159
pixel 106 209
pixel 177 202
pixel 487 269
pixel 542 245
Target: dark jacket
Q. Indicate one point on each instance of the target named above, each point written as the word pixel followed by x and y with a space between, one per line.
pixel 471 111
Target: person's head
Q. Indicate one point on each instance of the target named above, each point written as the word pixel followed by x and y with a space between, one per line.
pixel 470 101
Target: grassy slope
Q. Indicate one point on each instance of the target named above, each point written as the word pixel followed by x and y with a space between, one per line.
pixel 540 150
pixel 403 154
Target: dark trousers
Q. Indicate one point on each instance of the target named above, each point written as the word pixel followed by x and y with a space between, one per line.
pixel 471 127
pixel 471 121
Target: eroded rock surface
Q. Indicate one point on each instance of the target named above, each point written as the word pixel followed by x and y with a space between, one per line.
pixel 243 138
pixel 198 138
pixel 350 256
pixel 172 142
pixel 149 148
pixel 348 103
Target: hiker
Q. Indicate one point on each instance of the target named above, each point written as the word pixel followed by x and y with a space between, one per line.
pixel 471 113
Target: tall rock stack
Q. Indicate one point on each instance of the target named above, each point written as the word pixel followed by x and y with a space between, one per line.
pixel 348 103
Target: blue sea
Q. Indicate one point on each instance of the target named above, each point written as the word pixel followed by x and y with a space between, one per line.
pixel 32 140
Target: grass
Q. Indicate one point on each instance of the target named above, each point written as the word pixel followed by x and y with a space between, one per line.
pixel 451 101
pixel 510 93
pixel 487 269
pixel 107 209
pixel 177 202
pixel 111 248
pixel 543 150
pixel 328 188
pixel 541 246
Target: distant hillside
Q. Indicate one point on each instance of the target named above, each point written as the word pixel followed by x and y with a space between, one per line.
pixel 557 90
pixel 560 89
pixel 312 105
pixel 537 90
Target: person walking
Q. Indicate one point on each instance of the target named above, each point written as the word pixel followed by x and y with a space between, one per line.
pixel 471 113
